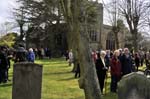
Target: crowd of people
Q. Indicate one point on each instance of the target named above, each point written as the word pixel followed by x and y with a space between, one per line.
pixel 20 54
pixel 119 62
pixel 17 55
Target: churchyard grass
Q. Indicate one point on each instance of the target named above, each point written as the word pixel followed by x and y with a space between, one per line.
pixel 58 82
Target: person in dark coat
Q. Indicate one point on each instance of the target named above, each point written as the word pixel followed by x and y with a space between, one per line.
pixel 77 71
pixel 137 61
pixel 141 57
pixel 35 50
pixel 101 69
pixel 108 58
pixel 21 54
pixel 3 65
pixel 126 62
pixel 39 53
pixel 49 53
pixel 115 69
pixel 9 57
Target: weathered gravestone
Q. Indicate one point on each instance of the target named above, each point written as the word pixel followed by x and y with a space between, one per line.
pixel 134 86
pixel 27 81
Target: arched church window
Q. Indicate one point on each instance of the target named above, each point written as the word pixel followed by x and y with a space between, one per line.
pixel 110 41
pixel 93 35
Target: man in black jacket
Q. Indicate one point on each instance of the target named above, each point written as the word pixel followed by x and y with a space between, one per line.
pixel 3 65
pixel 126 62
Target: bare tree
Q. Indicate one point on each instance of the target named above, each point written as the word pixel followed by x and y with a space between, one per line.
pixel 6 27
pixel 114 19
pixel 20 19
pixel 146 19
pixel 134 11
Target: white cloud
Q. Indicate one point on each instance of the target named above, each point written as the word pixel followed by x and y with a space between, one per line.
pixel 6 9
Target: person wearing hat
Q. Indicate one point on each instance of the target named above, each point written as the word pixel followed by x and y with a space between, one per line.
pixel 21 54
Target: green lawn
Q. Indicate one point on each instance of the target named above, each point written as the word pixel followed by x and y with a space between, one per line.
pixel 58 82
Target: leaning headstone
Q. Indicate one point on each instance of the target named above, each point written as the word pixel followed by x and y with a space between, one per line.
pixel 27 81
pixel 134 86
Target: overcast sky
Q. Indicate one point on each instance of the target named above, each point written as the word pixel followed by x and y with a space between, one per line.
pixel 6 7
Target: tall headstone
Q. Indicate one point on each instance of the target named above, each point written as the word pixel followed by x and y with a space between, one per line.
pixel 134 86
pixel 27 81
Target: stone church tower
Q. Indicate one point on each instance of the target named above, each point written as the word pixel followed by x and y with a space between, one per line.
pixel 101 35
pixel 95 30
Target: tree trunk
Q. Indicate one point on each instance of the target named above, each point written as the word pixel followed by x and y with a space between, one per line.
pixel 88 80
pixel 116 40
pixel 21 33
pixel 135 37
pixel 76 59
